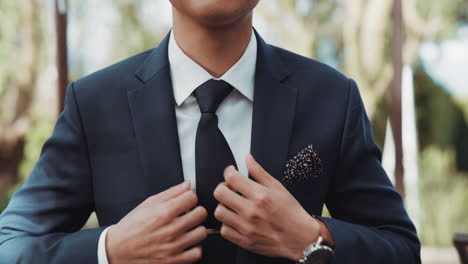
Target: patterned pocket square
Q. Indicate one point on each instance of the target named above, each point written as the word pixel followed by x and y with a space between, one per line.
pixel 305 165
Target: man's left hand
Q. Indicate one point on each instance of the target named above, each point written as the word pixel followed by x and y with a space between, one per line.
pixel 262 216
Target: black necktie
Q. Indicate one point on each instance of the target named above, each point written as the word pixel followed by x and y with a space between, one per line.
pixel 212 152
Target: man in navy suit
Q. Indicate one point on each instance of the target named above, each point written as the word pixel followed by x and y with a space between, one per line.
pixel 158 146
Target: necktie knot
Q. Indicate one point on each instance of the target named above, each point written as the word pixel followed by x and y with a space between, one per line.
pixel 210 94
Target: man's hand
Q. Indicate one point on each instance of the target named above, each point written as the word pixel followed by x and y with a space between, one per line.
pixel 262 216
pixel 162 229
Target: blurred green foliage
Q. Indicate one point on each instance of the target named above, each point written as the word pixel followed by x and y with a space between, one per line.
pixel 4 198
pixel 449 14
pixel 37 136
pixel 443 143
pixel 440 119
pixel 132 31
pixel 444 197
pixel 8 37
pixel 463 103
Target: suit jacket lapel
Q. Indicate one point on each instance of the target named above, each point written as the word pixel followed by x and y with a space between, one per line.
pixel 273 111
pixel 272 122
pixel 152 108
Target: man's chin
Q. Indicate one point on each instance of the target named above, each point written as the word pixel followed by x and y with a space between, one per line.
pixel 216 13
pixel 221 20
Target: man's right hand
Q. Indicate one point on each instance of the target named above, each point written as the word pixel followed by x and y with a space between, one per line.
pixel 165 228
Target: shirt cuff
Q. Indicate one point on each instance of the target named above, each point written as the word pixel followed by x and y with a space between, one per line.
pixel 101 250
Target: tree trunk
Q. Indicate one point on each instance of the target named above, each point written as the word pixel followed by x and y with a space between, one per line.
pixel 11 154
pixel 395 111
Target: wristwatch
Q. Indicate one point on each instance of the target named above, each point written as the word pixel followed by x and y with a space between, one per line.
pixel 317 253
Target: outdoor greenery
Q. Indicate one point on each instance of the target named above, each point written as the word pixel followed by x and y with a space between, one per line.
pixel 443 136
pixel 35 139
pixel 441 121
pixel 21 56
pixel 444 197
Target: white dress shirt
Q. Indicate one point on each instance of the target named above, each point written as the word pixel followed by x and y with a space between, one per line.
pixel 234 113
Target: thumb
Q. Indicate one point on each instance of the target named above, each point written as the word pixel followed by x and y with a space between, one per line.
pixel 258 173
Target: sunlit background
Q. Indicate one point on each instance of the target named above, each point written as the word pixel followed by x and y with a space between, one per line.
pixel 354 36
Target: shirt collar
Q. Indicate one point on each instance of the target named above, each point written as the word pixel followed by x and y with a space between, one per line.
pixel 187 75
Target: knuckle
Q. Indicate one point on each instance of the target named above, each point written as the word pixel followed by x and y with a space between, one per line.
pixel 251 214
pixel 218 191
pixel 249 231
pixel 155 214
pixel 198 253
pixel 168 208
pixel 276 238
pixel 193 197
pixel 262 198
pixel 169 249
pixel 203 212
pixel 223 231
pixel 163 216
pixel 202 232
pixel 171 233
pixel 247 243
pixel 230 177
pixel 218 212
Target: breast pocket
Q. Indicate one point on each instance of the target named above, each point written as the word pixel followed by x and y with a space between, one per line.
pixel 305 178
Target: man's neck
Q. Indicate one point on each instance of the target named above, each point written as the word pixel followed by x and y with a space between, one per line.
pixel 216 49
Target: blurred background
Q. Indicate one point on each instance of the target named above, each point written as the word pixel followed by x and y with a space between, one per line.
pixel 410 59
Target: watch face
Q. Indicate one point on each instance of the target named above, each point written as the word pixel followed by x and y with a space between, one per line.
pixel 320 256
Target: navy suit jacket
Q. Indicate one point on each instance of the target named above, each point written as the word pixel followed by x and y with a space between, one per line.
pixel 116 143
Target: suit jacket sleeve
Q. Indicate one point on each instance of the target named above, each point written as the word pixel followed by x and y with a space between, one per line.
pixel 42 221
pixel 370 224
